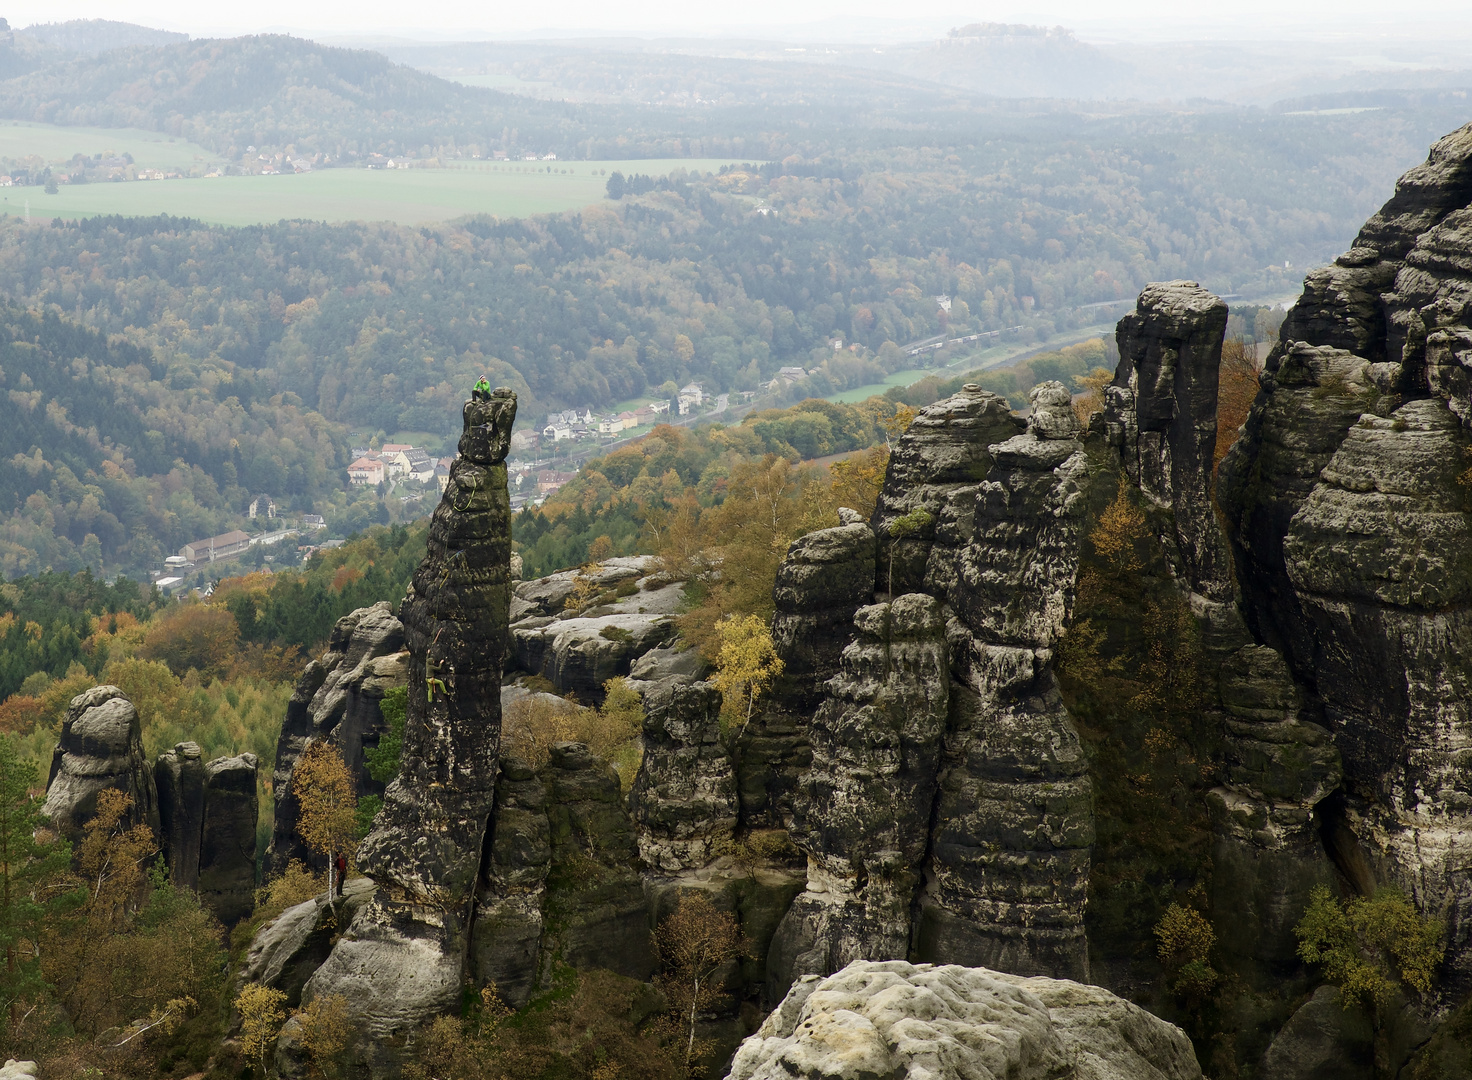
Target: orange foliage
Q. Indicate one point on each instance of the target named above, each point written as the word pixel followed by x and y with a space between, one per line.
pixel 1236 389
pixel 344 577
pixel 20 713
pixel 198 636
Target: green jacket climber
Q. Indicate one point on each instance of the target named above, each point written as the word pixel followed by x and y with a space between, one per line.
pixel 481 391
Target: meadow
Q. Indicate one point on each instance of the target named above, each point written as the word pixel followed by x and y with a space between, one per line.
pixel 403 196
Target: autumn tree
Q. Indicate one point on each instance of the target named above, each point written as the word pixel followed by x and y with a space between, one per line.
pixel 1370 946
pixel 262 1012
pixel 1184 940
pixel 1237 386
pixel 747 663
pixel 194 636
pixel 694 943
pixel 328 809
pixel 33 864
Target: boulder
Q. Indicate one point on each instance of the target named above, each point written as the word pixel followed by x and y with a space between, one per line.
pixel 288 950
pixel 900 1020
pixel 101 747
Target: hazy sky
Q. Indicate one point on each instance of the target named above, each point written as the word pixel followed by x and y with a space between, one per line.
pixel 921 18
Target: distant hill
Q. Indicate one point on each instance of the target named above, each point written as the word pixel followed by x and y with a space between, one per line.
pixel 280 91
pixel 89 37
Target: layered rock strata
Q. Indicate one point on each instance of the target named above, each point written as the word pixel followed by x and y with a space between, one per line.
pixel 684 796
pixel 1161 415
pixel 337 698
pixel 101 748
pixel 403 958
pixel 936 468
pixel 1009 861
pixel 1347 506
pixel 826 576
pixel 894 1019
pixel 862 812
pixel 226 874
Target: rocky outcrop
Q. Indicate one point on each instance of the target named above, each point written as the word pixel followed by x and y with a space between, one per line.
pixel 286 951
pixel 506 942
pixel 337 698
pixel 402 960
pixel 1278 768
pixel 596 913
pixel 862 812
pixel 684 796
pixel 894 1019
pixel 101 747
pixel 936 467
pixel 226 877
pixel 826 576
pixel 1161 415
pixel 1009 861
pixel 180 775
pixel 1347 506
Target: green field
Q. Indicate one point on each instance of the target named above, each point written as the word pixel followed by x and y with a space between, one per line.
pixel 405 196
pixel 980 360
pixel 54 144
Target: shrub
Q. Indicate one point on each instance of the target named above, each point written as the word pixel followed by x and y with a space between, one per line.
pixel 1370 946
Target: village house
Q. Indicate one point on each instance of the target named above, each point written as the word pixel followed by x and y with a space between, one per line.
pixel 216 547
pixel 261 506
pixel 549 480
pixel 366 471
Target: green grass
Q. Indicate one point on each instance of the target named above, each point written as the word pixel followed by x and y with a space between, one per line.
pixel 407 196
pixel 981 359
pixel 53 143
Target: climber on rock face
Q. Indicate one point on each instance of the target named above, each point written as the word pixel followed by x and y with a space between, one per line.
pixel 481 391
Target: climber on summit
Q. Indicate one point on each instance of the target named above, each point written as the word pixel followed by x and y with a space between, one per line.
pixel 481 391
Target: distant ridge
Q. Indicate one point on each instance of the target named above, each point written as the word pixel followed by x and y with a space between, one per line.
pixel 89 37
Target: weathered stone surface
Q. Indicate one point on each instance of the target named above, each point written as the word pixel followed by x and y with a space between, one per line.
pixel 579 655
pixel 1268 856
pixel 180 776
pixel 227 846
pixel 1323 1041
pixel 101 747
pixel 1348 511
pixel 686 665
pixel 684 796
pixel 337 698
pixel 936 467
pixel 288 950
pixel 505 942
pixel 893 1019
pixel 402 960
pixel 862 812
pixel 596 915
pixel 823 580
pixel 1161 415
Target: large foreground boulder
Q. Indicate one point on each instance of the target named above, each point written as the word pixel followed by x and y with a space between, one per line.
pixel 900 1021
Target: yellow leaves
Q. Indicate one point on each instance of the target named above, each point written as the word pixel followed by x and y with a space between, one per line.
pixel 533 725
pixel 262 1012
pixel 1369 943
pixel 33 630
pixel 746 665
pixel 1091 400
pixel 327 1029
pixel 1184 940
pixel 325 794
pixel 1118 529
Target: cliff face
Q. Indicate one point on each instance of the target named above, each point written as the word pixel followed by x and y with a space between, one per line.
pixel 1086 683
pixel 402 960
pixel 1347 502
